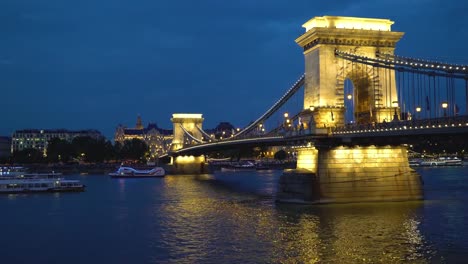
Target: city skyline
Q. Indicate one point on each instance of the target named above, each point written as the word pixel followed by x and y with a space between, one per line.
pixel 94 65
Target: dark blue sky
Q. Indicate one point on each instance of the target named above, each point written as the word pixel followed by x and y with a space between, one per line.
pixel 97 63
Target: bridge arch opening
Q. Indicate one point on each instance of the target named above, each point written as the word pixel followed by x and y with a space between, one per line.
pixel 349 98
pixel 358 93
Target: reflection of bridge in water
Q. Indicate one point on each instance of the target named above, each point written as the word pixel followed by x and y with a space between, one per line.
pixel 361 104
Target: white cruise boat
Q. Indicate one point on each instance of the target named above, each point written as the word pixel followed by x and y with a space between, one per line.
pixel 453 161
pixel 128 172
pixel 26 184
pixel 442 162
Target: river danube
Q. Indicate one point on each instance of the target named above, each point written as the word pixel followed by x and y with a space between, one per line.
pixel 231 218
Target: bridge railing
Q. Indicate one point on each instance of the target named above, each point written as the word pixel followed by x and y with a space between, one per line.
pixel 453 121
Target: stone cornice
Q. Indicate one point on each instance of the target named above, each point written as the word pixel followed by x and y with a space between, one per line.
pixel 349 37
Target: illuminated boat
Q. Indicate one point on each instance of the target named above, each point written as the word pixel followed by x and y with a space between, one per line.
pixel 432 163
pixel 442 162
pixel 414 163
pixel 453 162
pixel 31 184
pixel 128 172
pixel 247 166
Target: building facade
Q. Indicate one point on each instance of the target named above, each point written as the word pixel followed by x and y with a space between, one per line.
pixel 39 138
pixel 222 130
pixel 158 139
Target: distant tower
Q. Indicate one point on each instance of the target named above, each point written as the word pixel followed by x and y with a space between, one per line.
pixel 192 123
pixel 139 125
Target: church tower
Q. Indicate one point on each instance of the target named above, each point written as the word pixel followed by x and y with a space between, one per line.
pixel 139 125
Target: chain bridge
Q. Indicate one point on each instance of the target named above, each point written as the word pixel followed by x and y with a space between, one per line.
pixel 360 104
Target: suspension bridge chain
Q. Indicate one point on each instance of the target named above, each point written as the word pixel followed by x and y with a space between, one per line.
pixel 408 64
pixel 189 135
pixel 289 93
pixel 295 87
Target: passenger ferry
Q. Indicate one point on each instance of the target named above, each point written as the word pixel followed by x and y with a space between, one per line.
pixel 38 183
pixel 442 161
pixel 128 172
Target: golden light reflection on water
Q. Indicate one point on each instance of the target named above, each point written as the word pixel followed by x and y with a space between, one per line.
pixel 209 222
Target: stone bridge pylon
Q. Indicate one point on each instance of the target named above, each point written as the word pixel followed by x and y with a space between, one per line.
pixel 375 94
pixel 335 171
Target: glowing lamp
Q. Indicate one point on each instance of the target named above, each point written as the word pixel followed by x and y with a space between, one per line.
pixel 444 105
pixel 418 109
pixel 349 97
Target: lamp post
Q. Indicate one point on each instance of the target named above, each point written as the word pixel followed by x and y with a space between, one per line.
pixel 286 121
pixel 350 114
pixel 444 106
pixel 395 114
pixel 418 110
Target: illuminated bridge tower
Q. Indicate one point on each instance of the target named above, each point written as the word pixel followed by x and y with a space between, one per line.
pixel 335 172
pixel 187 129
pixel 183 124
pixel 375 93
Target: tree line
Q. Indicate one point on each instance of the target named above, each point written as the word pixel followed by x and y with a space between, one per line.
pixel 84 149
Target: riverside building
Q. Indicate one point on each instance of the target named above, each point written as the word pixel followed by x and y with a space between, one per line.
pixel 39 138
pixel 158 139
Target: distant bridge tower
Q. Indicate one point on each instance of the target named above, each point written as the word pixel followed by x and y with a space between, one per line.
pixel 192 123
pixel 325 74
pixel 186 124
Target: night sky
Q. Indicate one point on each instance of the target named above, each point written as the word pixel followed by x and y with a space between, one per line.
pixel 99 63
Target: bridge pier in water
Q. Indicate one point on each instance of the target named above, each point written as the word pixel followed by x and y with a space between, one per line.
pixel 187 130
pixel 343 174
pixel 187 165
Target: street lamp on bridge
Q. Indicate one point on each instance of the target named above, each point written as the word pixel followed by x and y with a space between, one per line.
pixel 418 110
pixel 444 106
pixel 350 112
pixel 286 123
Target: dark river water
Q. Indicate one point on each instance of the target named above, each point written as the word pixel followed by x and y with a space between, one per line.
pixel 231 218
